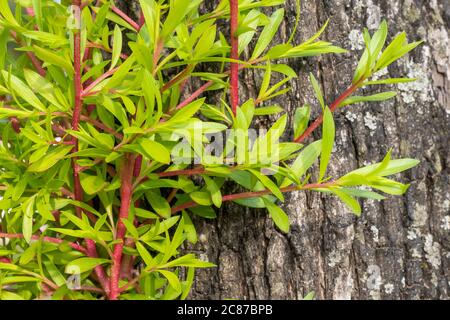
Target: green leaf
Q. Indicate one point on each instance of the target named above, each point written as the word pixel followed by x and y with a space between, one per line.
pixel 393 167
pixel 328 133
pixel 268 33
pixel 45 88
pixel 27 222
pixel 359 193
pixel 53 58
pixel 178 10
pixel 7 14
pixel 317 90
pixel 159 204
pixel 212 187
pixel 390 81
pixel 351 202
pixel 267 111
pixel 310 296
pixel 154 150
pixel 173 280
pixel 268 183
pixel 130 228
pixel 8 295
pixel 202 198
pixel 187 112
pixel 117 46
pixel 145 255
pixel 189 228
pixel 279 217
pixel 304 161
pixel 81 265
pixel 50 159
pixel 376 97
pixel 49 39
pixel 23 91
pixel 91 184
pixel 301 120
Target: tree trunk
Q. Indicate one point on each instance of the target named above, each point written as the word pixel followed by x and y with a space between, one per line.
pixel 399 248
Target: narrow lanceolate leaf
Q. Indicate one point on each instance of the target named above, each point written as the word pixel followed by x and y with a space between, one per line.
pixel 351 202
pixel 317 90
pixel 145 255
pixel 301 120
pixel 173 280
pixel 23 91
pixel 27 222
pixel 154 150
pixel 305 160
pixel 117 46
pixel 212 187
pixel 159 204
pixel 83 264
pixel 376 97
pixel 50 159
pixel 393 167
pixel 268 33
pixel 390 81
pixel 52 58
pixel 328 134
pixel 279 217
pixel 43 87
pixel 268 183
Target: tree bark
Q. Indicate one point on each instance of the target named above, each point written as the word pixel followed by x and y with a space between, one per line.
pixel 399 248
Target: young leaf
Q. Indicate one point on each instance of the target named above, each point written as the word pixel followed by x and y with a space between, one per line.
pixel 81 265
pixel 301 120
pixel 117 46
pixel 268 33
pixel 351 202
pixel 145 255
pixel 91 184
pixel 317 90
pixel 23 91
pixel 173 280
pixel 27 223
pixel 279 217
pixel 214 190
pixel 154 150
pixel 328 133
pixel 50 159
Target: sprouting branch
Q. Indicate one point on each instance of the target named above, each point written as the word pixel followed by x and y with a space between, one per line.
pixel 255 194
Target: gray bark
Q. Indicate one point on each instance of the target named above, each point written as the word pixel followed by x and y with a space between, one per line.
pixel 399 248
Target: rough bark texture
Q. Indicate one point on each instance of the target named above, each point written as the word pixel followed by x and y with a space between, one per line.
pixel 398 248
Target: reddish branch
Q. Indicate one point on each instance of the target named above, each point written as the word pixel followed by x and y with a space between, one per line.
pixel 255 194
pixel 125 17
pixel 347 93
pixel 126 177
pixel 234 76
pixel 46 239
pixel 87 90
pixel 78 105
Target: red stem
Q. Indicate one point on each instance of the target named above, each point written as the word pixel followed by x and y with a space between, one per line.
pixel 47 239
pixel 247 195
pixel 125 17
pixel 195 95
pixel 347 93
pixel 126 189
pixel 107 74
pixel 234 76
pixel 78 105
